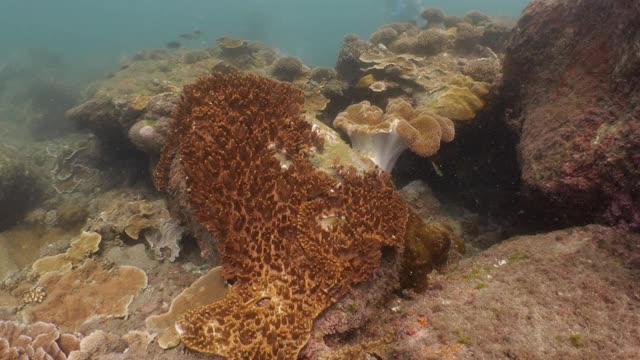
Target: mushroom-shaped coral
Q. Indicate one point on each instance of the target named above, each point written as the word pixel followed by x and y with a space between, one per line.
pixel 434 16
pixel 39 341
pixel 288 68
pixel 458 102
pixel 384 136
pixel 293 236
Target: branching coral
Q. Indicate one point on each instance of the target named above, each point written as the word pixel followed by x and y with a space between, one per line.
pixel 384 136
pixel 293 237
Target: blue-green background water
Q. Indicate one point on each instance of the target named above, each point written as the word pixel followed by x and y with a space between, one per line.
pixel 96 33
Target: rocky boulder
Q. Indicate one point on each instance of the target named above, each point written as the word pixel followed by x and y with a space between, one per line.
pixel 569 294
pixel 572 80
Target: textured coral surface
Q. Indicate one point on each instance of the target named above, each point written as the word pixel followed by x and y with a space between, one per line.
pixel 38 341
pixel 571 73
pixel 86 293
pixel 293 238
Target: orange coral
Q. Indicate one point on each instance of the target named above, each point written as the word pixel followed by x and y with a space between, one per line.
pixel 293 236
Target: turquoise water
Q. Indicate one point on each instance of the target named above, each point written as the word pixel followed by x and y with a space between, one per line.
pixel 96 33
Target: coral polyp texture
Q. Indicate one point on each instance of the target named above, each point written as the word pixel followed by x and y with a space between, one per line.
pixel 40 341
pixel 292 236
pixel 383 136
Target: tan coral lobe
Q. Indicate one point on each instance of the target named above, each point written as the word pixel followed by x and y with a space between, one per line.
pixel 383 136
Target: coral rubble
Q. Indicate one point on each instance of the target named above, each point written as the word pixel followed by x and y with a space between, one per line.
pixel 292 237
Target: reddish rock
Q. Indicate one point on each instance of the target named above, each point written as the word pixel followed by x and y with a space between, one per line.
pixel 570 294
pixel 572 78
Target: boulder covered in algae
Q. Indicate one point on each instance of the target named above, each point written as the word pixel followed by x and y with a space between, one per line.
pixel 568 294
pixel 571 77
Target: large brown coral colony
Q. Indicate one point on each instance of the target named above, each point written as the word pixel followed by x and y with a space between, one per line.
pixel 292 236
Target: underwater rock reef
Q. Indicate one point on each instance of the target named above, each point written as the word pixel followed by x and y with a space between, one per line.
pixel 134 105
pixel 567 294
pixel 573 97
pixel 233 202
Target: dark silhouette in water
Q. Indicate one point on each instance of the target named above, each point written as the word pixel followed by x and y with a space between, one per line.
pixel 191 35
pixel 174 45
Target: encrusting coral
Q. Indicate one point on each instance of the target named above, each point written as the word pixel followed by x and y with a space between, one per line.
pixel 293 237
pixel 383 136
pixel 38 341
pixel 90 291
pixel 87 244
pixel 102 345
pixel 209 288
